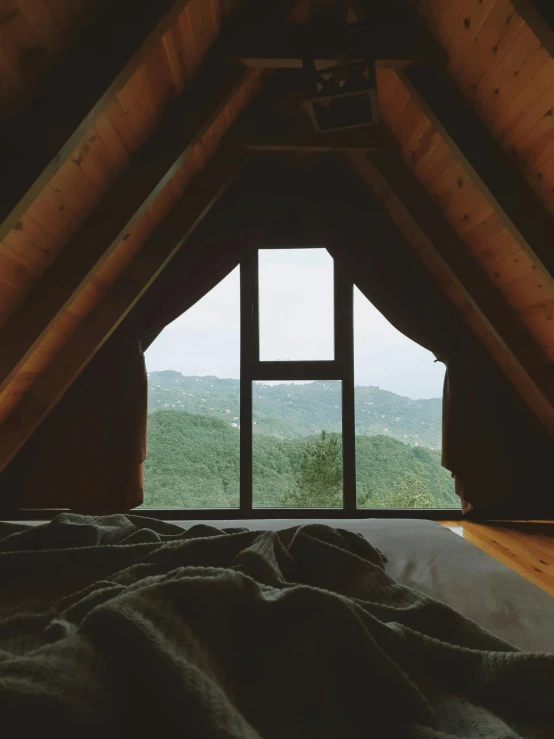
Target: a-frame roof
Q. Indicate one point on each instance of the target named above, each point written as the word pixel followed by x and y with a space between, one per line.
pixel 124 119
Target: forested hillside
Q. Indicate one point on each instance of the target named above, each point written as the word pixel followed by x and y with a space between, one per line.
pixel 297 411
pixel 193 461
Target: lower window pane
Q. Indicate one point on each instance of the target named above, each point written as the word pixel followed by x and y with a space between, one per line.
pixel 297 445
pixel 193 450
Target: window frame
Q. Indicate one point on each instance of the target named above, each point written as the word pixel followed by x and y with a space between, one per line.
pixel 252 369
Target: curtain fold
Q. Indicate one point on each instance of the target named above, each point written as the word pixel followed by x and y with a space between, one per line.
pixel 88 455
pixel 499 455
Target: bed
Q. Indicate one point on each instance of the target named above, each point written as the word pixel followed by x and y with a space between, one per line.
pixel 129 626
pixel 427 556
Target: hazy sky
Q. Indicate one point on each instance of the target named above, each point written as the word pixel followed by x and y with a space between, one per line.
pixel 296 308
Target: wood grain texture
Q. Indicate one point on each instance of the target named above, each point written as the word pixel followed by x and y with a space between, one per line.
pixel 103 151
pixel 447 257
pixel 539 16
pixel 118 38
pixel 501 57
pixel 524 546
pixel 467 208
pixel 134 192
pixel 484 163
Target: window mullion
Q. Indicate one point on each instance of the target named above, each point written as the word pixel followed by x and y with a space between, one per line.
pixel 249 358
pixel 344 354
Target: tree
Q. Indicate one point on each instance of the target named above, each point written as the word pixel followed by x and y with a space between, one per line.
pixel 320 481
pixel 410 491
pixel 194 461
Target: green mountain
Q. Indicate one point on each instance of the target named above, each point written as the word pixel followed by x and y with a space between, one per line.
pixel 298 411
pixel 194 461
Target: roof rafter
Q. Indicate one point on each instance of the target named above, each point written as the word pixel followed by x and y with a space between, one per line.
pixel 260 211
pixel 128 198
pixel 424 226
pixel 505 189
pixel 36 141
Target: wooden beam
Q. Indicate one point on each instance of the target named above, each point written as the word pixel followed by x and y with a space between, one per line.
pixel 424 226
pixel 127 199
pixel 118 301
pixel 299 135
pixel 36 141
pixel 393 44
pixel 505 189
pixel 539 16
pixel 251 216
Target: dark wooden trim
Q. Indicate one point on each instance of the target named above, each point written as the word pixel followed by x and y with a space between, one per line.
pixel 309 370
pixel 235 514
pixel 127 199
pixel 489 167
pixel 249 354
pixel 539 16
pixel 37 140
pixel 344 353
pixel 341 368
pixel 412 209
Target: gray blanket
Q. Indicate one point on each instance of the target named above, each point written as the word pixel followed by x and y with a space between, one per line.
pixel 123 626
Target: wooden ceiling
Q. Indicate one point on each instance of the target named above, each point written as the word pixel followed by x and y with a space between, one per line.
pixel 121 126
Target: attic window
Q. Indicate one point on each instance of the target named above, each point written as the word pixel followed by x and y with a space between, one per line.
pixel 306 427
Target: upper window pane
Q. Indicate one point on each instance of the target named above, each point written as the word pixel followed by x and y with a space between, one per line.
pixel 296 305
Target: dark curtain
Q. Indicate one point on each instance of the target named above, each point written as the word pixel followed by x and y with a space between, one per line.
pixel 88 455
pixel 499 455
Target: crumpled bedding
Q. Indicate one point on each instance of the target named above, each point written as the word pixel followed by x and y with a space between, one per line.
pixel 124 626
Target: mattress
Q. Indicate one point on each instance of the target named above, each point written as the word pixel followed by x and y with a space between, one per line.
pixel 434 560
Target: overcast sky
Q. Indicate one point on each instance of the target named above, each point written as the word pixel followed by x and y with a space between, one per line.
pixel 296 308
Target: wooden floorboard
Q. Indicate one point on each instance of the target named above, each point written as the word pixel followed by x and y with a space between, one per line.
pixel 525 546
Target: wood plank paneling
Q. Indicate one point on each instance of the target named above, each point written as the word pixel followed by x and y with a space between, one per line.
pixel 71 99
pixel 466 207
pixel 103 153
pixel 539 16
pixel 504 68
pixel 105 150
pixel 135 192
